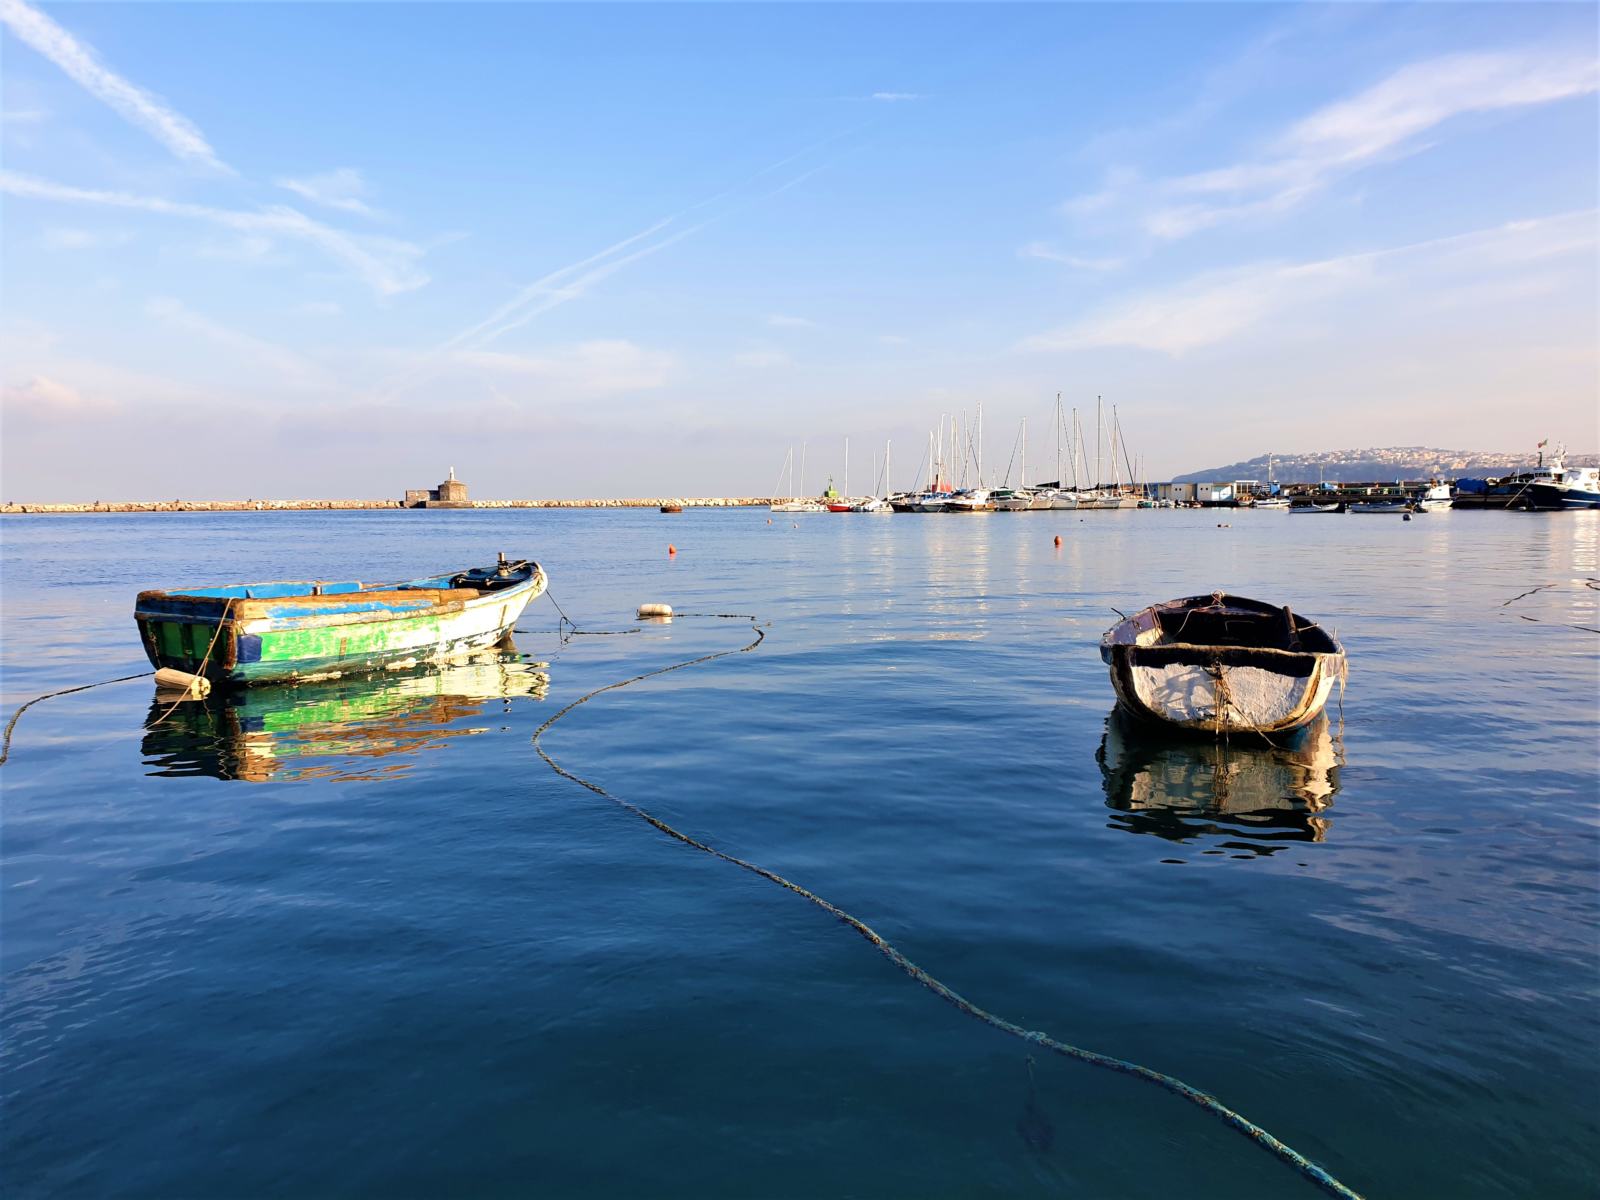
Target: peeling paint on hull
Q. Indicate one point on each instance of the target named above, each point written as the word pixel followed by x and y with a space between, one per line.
pixel 324 634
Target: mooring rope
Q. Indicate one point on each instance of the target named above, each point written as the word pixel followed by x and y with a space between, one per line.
pixel 5 742
pixel 1176 1086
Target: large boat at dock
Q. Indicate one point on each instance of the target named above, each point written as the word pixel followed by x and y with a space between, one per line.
pixel 1556 487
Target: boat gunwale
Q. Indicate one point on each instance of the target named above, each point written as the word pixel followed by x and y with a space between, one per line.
pixel 381 602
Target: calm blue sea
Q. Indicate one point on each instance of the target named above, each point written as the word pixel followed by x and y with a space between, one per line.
pixel 360 940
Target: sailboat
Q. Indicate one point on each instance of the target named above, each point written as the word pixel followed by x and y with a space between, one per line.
pixel 834 501
pixel 1009 499
pixel 1046 497
pixel 973 499
pixel 939 488
pixel 872 504
pixel 794 504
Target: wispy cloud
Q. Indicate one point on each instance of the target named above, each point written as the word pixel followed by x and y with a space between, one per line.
pixel 1374 125
pixel 762 359
pixel 1047 253
pixel 294 368
pixel 897 97
pixel 562 286
pixel 1383 122
pixel 568 283
pixel 42 399
pixel 594 367
pixel 780 321
pixel 1220 306
pixel 387 265
pixel 342 189
pixel 80 239
pixel 135 105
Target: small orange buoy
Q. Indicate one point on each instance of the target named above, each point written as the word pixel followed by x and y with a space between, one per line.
pixel 1058 539
pixel 671 549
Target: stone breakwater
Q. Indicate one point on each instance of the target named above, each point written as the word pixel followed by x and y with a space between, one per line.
pixel 181 506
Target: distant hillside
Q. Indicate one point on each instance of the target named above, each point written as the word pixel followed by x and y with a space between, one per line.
pixel 1376 464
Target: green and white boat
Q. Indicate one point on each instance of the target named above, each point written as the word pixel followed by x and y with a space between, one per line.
pixel 301 631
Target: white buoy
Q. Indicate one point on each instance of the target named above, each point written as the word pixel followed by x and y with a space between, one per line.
pixel 191 687
pixel 654 610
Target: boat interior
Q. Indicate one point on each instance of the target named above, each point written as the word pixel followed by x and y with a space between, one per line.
pixel 1230 624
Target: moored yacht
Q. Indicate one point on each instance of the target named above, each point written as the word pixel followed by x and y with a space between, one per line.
pixel 971 500
pixel 1436 497
pixel 1557 486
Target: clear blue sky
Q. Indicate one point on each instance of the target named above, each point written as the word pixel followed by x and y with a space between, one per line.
pixel 325 250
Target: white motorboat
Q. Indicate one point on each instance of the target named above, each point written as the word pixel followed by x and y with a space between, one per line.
pixel 970 501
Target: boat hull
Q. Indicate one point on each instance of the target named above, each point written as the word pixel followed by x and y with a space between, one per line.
pixel 1219 689
pixel 1241 691
pixel 1395 506
pixel 255 639
pixel 1544 497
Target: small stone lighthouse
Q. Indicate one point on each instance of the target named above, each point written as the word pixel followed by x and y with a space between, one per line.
pixel 452 493
pixel 452 490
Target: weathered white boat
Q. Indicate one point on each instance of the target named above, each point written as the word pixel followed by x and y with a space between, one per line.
pixel 1394 504
pixel 1313 508
pixel 1222 664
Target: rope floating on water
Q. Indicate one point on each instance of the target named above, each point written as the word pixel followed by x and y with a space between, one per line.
pixel 5 742
pixel 1176 1086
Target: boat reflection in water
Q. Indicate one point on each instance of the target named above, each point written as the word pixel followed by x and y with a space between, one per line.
pixel 373 727
pixel 1242 798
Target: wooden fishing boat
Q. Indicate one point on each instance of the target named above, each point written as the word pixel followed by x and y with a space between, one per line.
pixel 672 508
pixel 250 633
pixel 1222 664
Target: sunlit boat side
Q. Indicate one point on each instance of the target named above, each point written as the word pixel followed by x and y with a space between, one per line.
pixel 1222 664
pixel 250 633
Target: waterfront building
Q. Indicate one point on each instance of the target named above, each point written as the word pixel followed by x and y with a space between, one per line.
pixel 452 493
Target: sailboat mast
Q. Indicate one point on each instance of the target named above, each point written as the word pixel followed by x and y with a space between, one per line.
pixel 847 466
pixel 1059 476
pixel 1123 442
pixel 802 466
pixel 1077 451
pixel 1099 414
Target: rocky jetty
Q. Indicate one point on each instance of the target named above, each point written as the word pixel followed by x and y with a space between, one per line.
pixel 181 506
